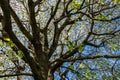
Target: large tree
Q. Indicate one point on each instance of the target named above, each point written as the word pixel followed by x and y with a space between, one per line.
pixel 56 39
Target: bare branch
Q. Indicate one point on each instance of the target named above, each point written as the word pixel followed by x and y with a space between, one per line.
pixel 18 74
pixel 89 57
pixel 20 25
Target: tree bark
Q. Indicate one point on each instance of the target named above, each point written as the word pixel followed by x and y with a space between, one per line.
pixel 40 67
pixel 50 75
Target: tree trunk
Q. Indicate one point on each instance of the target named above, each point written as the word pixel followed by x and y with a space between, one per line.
pixel 39 76
pixel 40 67
pixel 42 71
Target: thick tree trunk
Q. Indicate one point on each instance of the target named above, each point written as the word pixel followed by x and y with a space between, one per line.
pixel 39 76
pixel 39 72
pixel 40 67
pixel 43 70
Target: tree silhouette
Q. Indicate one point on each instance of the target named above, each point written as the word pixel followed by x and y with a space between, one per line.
pixel 59 38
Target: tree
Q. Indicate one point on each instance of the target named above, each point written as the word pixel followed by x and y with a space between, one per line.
pixel 55 39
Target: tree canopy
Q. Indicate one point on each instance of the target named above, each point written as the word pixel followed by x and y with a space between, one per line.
pixel 60 39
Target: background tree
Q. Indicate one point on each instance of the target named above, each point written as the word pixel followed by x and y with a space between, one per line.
pixel 60 39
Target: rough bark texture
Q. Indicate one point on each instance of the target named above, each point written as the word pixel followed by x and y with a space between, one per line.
pixel 43 48
pixel 40 69
pixel 40 64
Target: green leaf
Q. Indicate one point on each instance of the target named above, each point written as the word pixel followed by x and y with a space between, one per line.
pixel 87 77
pixel 76 4
pixel 70 42
pixel 82 65
pixel 2 46
pixel 1 64
pixel 91 74
pixel 6 39
pixel 1 55
pixel 2 72
pixel 102 17
pixel 70 45
pixel 71 66
pixel 81 47
pixel 12 44
pixel 11 55
pixel 20 54
pixel 114 46
pixel 117 1
pixel 102 1
pixel 86 3
pixel 1 42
